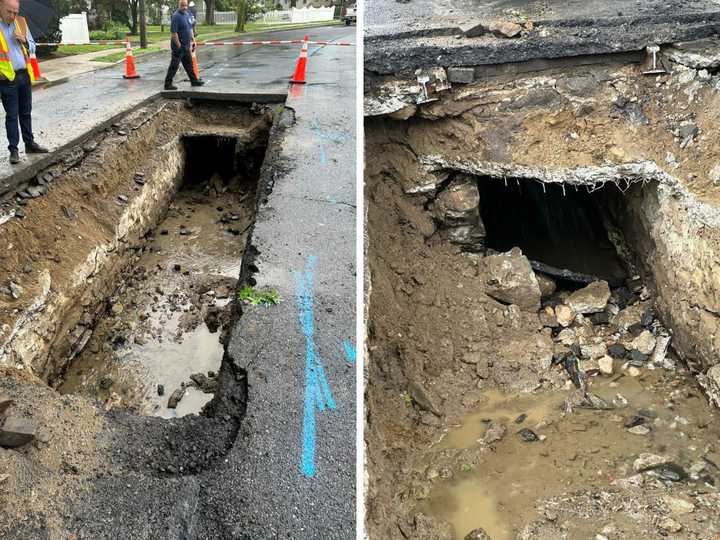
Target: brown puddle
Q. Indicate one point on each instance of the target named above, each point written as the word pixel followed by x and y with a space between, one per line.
pixel 586 448
pixel 164 323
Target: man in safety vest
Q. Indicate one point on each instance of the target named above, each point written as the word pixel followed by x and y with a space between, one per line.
pixel 182 45
pixel 16 78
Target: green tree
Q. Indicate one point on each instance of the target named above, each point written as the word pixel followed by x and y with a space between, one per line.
pixel 209 11
pixel 241 10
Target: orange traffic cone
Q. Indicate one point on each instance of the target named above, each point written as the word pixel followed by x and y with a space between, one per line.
pixel 195 65
pixel 35 66
pixel 299 75
pixel 130 72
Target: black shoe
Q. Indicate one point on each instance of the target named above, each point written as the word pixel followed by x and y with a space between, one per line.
pixel 198 82
pixel 35 148
pixel 14 157
pixel 170 87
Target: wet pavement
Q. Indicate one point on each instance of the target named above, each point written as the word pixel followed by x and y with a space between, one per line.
pixel 295 457
pixel 67 111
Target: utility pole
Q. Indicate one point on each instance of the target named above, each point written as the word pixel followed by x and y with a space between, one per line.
pixel 143 27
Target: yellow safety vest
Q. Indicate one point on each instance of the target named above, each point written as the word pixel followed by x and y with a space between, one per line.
pixel 6 68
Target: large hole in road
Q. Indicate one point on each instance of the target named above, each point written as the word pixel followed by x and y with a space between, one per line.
pixel 537 330
pixel 128 298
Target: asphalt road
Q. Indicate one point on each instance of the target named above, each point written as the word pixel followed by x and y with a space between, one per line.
pixel 295 461
pixel 402 36
pixel 69 110
pixel 290 469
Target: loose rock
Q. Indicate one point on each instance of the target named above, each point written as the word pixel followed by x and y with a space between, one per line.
pixel 564 315
pixel 528 435
pixel 494 432
pixel 644 343
pixel 511 280
pixel 590 299
pixel 420 397
pixel 639 430
pixel 678 506
pixel 17 431
pixel 175 397
pixel 547 285
pixel 606 365
pixel 477 534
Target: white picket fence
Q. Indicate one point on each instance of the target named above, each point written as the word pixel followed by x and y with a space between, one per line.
pixel 276 17
pixel 311 14
pixel 290 16
pixel 221 17
pixel 298 15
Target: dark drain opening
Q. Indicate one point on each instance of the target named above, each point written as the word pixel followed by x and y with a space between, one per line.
pixel 565 227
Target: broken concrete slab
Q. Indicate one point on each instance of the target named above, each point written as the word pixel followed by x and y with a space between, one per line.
pixel 473 28
pixel 700 54
pixel 511 280
pixel 17 431
pixel 505 29
pixel 590 299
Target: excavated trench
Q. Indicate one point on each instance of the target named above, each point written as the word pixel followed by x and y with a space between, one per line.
pixel 120 267
pixel 157 346
pixel 542 328
pixel 135 316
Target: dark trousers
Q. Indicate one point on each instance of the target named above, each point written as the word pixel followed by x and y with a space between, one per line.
pixel 17 101
pixel 179 55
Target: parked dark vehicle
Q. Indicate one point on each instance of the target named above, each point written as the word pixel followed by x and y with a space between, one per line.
pixel 349 15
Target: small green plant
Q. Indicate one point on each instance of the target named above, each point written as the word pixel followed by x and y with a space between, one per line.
pixel 407 399
pixel 467 467
pixel 265 297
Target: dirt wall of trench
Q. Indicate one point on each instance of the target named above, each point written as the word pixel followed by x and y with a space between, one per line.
pixel 677 242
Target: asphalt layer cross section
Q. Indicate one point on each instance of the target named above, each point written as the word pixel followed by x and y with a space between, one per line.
pixel 290 470
pixel 403 36
pixel 69 111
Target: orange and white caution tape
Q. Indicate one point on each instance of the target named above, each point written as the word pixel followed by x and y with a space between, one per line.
pixel 226 43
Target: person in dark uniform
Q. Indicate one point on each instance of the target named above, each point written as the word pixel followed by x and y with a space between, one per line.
pixel 182 42
pixel 16 46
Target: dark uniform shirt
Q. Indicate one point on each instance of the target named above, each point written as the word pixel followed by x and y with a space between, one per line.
pixel 181 24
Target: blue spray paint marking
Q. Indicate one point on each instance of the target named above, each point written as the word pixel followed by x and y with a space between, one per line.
pixel 317 388
pixel 323 136
pixel 349 351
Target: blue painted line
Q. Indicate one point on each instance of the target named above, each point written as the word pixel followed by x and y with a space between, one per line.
pixel 317 389
pixel 323 136
pixel 349 351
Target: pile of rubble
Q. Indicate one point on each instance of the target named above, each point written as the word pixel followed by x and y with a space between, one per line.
pixel 595 330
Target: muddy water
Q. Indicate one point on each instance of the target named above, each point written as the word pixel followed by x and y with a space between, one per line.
pixel 155 332
pixel 585 448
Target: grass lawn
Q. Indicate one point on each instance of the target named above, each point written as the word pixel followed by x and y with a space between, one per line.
pixel 69 50
pixel 120 55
